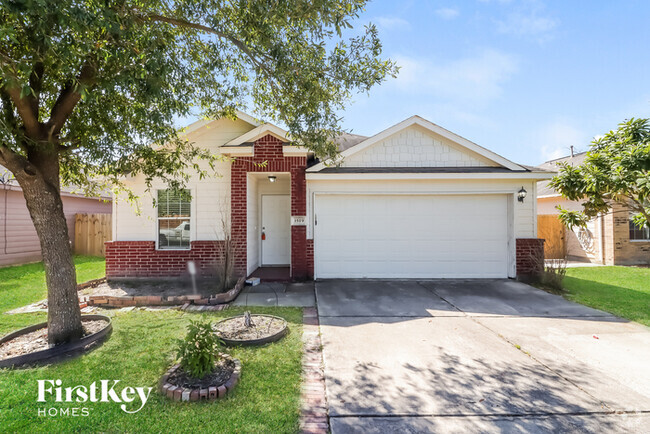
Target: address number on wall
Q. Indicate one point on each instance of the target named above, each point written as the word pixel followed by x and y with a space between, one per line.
pixel 298 220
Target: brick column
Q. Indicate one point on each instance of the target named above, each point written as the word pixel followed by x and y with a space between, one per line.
pixel 299 268
pixel 530 257
pixel 238 181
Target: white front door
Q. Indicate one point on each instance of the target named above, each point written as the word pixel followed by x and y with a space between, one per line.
pixel 276 229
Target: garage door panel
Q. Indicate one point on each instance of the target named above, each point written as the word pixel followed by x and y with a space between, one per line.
pixel 411 236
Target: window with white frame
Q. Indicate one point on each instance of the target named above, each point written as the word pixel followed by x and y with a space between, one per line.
pixel 174 211
pixel 638 233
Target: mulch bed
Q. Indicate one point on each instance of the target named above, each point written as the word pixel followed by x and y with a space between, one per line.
pixel 37 340
pixel 220 374
pixel 263 326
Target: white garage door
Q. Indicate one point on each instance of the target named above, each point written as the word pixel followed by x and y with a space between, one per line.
pixel 411 236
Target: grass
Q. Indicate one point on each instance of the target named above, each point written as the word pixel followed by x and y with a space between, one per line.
pixel 623 291
pixel 138 352
pixel 24 284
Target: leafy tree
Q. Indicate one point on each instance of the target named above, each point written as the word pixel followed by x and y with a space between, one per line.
pixel 615 170
pixel 90 89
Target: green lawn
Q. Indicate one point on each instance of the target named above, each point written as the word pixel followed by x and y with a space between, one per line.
pixel 25 284
pixel 623 291
pixel 138 352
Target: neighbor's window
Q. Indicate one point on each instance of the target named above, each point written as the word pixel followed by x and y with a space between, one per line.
pixel 639 233
pixel 174 219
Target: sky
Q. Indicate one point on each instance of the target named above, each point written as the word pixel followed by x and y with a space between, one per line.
pixel 526 79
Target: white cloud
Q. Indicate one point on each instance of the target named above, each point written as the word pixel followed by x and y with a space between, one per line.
pixel 447 13
pixel 528 18
pixel 390 23
pixel 555 139
pixel 475 79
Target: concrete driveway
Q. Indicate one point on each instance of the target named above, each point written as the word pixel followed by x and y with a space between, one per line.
pixel 476 356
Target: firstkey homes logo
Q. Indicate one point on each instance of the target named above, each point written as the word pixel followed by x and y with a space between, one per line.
pixel 131 399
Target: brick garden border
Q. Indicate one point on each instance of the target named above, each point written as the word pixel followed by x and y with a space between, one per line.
pixel 158 300
pixel 199 394
pixel 313 415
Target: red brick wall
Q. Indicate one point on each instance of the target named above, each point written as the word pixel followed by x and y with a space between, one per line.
pixel 530 256
pixel 310 258
pixel 141 259
pixel 268 157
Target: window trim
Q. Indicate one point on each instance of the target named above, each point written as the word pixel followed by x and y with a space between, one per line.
pixel 191 220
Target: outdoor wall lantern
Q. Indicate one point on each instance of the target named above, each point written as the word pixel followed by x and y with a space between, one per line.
pixel 272 178
pixel 521 194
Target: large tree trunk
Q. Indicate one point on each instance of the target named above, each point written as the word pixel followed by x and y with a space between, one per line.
pixel 42 194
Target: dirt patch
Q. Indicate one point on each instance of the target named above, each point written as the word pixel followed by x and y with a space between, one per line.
pixel 219 375
pixel 37 340
pixel 171 287
pixel 263 326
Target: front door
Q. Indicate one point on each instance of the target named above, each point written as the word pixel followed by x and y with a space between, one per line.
pixel 276 229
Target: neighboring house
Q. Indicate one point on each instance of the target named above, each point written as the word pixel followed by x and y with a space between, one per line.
pixel 414 201
pixel 19 243
pixel 610 239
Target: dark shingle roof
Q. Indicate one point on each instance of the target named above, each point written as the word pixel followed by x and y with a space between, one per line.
pixel 543 189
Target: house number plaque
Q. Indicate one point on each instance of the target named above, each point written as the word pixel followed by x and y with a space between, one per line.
pixel 298 220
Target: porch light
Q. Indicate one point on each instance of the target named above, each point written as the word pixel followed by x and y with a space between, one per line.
pixel 272 178
pixel 521 194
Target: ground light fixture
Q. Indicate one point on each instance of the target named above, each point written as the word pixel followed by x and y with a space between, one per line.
pixel 521 194
pixel 272 178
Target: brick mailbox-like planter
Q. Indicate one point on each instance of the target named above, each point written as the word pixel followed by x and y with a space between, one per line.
pixel 209 393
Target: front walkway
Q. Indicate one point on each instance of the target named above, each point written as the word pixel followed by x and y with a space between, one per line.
pixel 477 355
pixel 278 295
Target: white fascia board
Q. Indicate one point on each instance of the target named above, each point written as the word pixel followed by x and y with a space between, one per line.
pixel 237 151
pixel 295 151
pixel 417 120
pixel 259 132
pixel 389 176
pixel 197 125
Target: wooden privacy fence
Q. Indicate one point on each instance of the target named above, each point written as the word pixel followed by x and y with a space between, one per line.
pixel 90 233
pixel 550 228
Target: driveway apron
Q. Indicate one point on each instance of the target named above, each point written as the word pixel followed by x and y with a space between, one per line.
pixel 477 355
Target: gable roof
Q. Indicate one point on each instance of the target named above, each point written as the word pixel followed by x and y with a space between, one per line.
pixel 430 126
pixel 197 125
pixel 258 133
pixel 545 190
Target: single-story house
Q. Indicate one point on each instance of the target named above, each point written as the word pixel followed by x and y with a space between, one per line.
pixel 610 239
pixel 413 201
pixel 19 243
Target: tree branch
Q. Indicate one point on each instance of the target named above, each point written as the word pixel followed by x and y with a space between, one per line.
pixel 236 42
pixel 35 83
pixel 24 106
pixel 68 98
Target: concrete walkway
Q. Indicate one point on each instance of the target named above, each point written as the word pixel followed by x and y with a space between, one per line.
pixel 478 356
pixel 278 295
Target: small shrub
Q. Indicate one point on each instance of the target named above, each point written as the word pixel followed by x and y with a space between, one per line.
pixel 199 350
pixel 553 275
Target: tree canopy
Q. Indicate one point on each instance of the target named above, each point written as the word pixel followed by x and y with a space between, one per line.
pixel 615 170
pixel 90 89
pixel 100 81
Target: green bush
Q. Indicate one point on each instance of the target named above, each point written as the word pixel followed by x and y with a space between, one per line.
pixel 199 350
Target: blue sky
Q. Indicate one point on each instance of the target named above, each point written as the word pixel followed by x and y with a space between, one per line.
pixel 524 78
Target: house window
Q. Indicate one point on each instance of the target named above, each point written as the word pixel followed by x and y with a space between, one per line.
pixel 174 209
pixel 639 233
